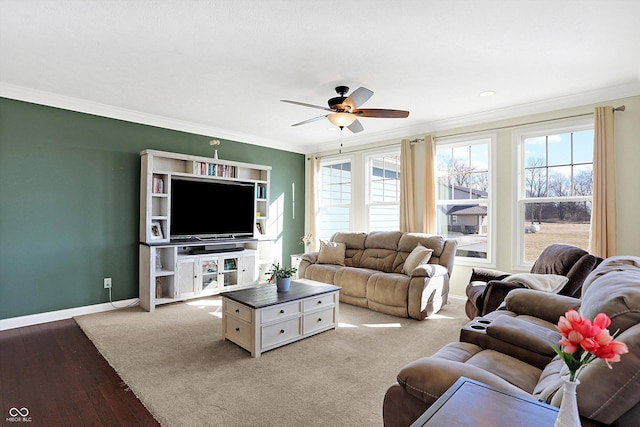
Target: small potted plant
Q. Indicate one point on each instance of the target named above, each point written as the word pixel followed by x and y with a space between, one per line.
pixel 281 275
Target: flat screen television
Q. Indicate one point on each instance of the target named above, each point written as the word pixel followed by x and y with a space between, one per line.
pixel 211 209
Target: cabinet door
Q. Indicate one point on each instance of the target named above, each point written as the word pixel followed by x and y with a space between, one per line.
pixel 229 270
pixel 188 278
pixel 249 266
pixel 210 273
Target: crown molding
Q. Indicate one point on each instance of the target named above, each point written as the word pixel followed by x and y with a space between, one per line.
pixel 545 106
pixel 49 99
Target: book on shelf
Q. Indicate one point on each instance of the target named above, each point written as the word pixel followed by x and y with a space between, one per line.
pixel 158 185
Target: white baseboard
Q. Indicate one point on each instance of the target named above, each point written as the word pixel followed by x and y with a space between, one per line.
pixel 51 316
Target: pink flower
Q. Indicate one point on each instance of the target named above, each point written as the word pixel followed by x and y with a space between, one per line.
pixel 583 341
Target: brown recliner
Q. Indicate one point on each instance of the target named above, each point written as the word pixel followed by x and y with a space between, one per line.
pixel 515 363
pixel 487 289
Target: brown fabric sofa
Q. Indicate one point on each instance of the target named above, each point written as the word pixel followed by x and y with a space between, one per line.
pixel 371 273
pixel 510 350
pixel 487 289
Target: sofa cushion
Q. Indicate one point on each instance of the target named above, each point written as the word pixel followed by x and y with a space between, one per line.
pixel 378 259
pixel 390 289
pixel 331 253
pixel 353 281
pixel 324 273
pixel 418 256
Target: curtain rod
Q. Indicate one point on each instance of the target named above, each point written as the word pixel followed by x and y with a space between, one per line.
pixel 421 140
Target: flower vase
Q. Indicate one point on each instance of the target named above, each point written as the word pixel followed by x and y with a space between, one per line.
pixel 283 284
pixel 568 416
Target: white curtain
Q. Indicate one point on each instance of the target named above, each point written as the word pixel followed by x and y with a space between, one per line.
pixel 429 224
pixel 602 236
pixel 314 200
pixel 407 193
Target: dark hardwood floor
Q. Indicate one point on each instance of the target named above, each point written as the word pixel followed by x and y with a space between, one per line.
pixel 56 373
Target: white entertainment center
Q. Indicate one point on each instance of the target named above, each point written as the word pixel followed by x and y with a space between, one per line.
pixel 174 268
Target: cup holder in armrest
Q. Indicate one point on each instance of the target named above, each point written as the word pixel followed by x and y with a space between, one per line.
pixel 477 325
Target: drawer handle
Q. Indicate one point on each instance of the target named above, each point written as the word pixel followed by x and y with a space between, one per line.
pixel 282 331
pixel 237 329
pixel 281 311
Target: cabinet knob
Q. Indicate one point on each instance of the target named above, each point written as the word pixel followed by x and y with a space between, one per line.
pixel 319 319
pixel 319 302
pixel 237 329
pixel 281 311
pixel 237 310
pixel 282 331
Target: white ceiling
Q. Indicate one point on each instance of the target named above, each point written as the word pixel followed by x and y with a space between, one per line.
pixel 220 67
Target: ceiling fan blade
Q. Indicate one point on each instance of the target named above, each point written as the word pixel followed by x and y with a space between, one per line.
pixel 358 97
pixel 355 127
pixel 381 112
pixel 304 104
pixel 309 121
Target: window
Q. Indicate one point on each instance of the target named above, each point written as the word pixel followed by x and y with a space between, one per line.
pixel 383 202
pixel 335 204
pixel 463 194
pixel 554 189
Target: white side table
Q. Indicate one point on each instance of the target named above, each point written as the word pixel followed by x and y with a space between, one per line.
pixel 295 263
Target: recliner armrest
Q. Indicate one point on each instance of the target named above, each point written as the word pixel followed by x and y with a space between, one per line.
pixel 524 334
pixel 495 294
pixel 485 275
pixel 542 305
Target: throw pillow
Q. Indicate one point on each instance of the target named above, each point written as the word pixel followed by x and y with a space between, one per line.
pixel 418 256
pixel 540 282
pixel 331 253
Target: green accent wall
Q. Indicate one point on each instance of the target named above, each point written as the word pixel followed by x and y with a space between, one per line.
pixel 69 202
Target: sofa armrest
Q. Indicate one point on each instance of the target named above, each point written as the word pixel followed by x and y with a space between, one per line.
pixel 495 294
pixel 543 305
pixel 429 270
pixel 429 378
pixel 305 261
pixel 523 334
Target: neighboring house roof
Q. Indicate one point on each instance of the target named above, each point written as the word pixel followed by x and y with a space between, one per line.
pixel 468 210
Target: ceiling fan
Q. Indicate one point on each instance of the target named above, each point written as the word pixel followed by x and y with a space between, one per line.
pixel 344 111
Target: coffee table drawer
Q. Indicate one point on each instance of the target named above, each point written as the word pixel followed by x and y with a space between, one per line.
pixel 318 320
pixel 238 310
pixel 281 332
pixel 319 301
pixel 280 311
pixel 238 332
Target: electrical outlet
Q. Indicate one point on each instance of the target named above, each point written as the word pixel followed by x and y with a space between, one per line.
pixel 107 282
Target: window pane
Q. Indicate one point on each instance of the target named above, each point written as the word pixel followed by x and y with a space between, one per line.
pixel 468 225
pixel 560 181
pixel 384 218
pixel 583 146
pixel 553 222
pixel 535 151
pixel 384 192
pixel 536 182
pixel 583 180
pixel 559 149
pixel 336 198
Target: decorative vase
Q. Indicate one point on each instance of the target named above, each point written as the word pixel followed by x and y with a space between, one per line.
pixel 568 416
pixel 283 284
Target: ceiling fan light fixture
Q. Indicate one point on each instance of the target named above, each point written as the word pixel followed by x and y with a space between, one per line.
pixel 342 119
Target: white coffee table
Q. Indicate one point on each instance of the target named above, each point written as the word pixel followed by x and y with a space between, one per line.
pixel 260 319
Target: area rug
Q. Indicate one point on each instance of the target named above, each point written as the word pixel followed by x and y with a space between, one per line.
pixel 178 365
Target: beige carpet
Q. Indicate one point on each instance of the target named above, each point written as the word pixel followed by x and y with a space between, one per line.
pixel 178 365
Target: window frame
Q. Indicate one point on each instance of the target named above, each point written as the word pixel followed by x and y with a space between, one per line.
pixel 368 161
pixel 476 139
pixel 321 205
pixel 519 191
